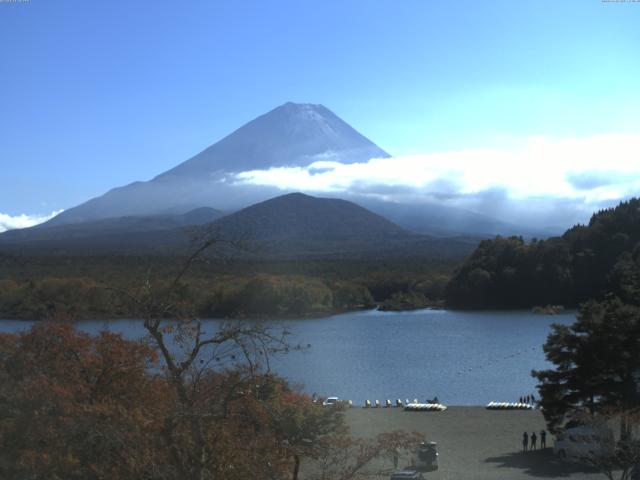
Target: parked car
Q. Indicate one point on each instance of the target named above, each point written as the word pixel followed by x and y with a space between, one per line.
pixel 582 442
pixel 330 401
pixel 407 474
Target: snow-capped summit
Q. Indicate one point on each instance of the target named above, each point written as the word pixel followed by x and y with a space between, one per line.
pixel 293 134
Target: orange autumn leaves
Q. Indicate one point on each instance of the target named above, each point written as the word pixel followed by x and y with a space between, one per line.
pixel 76 406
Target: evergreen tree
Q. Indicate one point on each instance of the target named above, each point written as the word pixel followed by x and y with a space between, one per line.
pixel 584 263
pixel 597 363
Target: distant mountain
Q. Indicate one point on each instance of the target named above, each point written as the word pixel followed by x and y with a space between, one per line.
pixel 443 221
pixel 293 226
pixel 108 227
pixel 290 135
pixel 296 215
pixel 301 226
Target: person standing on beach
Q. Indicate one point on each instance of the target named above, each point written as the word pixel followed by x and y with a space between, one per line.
pixel 543 439
pixel 534 438
pixel 525 442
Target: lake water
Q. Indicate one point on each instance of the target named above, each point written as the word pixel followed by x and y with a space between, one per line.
pixel 465 358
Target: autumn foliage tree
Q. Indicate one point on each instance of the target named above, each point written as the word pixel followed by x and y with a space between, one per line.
pixel 74 406
pixel 301 426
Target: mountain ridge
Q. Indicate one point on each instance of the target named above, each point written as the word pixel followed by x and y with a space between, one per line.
pixel 112 225
pixel 292 226
pixel 300 215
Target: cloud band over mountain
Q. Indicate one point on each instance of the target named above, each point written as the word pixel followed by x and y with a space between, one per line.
pixel 572 174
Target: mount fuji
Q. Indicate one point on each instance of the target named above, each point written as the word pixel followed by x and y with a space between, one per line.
pixel 204 187
pixel 288 136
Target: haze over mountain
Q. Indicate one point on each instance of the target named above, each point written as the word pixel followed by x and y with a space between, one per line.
pixel 445 221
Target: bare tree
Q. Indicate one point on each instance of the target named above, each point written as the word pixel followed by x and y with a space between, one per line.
pixel 194 356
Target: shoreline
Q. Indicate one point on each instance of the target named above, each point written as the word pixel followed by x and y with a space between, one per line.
pixel 302 316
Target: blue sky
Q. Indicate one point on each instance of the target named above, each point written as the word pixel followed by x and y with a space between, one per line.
pixel 99 94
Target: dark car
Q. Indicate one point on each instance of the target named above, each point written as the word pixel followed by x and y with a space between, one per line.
pixel 426 459
pixel 407 474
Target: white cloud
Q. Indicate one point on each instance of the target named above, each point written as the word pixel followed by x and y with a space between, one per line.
pixel 591 169
pixel 10 222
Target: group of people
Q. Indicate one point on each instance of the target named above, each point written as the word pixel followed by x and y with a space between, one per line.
pixel 529 442
pixel 530 399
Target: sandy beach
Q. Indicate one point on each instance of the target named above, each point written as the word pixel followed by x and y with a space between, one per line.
pixel 474 443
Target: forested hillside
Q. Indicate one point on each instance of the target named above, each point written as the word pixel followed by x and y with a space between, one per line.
pixel 584 263
pixel 73 287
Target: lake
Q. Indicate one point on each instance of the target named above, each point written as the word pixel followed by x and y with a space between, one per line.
pixel 465 358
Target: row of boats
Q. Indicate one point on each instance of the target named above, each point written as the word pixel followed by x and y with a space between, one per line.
pixel 432 406
pixel 509 406
pixel 425 407
pixel 408 405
